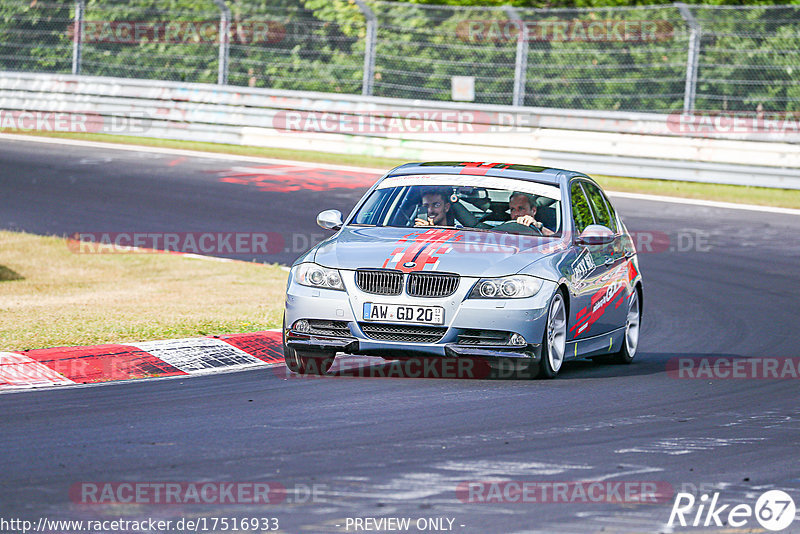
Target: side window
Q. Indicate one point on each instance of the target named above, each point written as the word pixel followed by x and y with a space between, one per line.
pixel 611 212
pixel 581 213
pixel 599 206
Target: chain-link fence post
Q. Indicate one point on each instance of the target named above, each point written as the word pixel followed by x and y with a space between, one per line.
pixel 694 57
pixel 369 47
pixel 77 37
pixel 224 41
pixel 521 61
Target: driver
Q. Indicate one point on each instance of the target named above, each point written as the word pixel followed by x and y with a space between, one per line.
pixel 437 204
pixel 523 210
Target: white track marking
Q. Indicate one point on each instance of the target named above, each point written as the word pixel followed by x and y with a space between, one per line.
pixel 679 446
pixel 479 469
pixel 706 203
pixel 9 390
pixel 18 370
pixel 625 470
pixel 200 355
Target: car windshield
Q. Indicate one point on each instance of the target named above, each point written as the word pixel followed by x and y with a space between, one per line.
pixel 481 203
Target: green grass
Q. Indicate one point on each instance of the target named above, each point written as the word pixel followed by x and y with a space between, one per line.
pixel 52 296
pixel 786 198
pixel 764 196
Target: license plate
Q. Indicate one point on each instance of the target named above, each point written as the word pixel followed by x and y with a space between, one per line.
pixel 403 313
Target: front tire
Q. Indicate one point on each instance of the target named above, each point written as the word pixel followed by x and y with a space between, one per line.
pixel 554 342
pixel 304 364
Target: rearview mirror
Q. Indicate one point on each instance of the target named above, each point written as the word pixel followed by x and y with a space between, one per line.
pixel 330 219
pixel 596 234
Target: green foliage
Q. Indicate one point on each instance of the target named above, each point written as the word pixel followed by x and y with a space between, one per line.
pixel 749 57
pixel 34 36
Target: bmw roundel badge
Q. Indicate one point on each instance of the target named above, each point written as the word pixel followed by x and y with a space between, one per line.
pixel 409 264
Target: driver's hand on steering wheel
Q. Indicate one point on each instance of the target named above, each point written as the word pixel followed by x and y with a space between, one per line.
pixel 528 220
pixel 423 222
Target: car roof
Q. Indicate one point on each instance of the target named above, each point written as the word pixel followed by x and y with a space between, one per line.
pixel 506 170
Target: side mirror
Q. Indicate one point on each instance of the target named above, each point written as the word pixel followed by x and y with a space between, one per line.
pixel 596 234
pixel 330 219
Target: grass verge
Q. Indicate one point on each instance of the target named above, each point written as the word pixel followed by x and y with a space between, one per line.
pixel 785 198
pixel 762 196
pixel 50 296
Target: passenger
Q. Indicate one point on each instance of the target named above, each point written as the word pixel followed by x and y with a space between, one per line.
pixel 437 204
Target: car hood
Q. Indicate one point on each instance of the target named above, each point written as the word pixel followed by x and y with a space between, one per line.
pixel 466 252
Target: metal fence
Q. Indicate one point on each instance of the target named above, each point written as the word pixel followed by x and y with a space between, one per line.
pixel 649 59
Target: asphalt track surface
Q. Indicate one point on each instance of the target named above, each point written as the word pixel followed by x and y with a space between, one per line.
pixel 399 447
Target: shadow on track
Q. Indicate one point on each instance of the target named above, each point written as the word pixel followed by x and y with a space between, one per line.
pixel 477 369
pixel 646 363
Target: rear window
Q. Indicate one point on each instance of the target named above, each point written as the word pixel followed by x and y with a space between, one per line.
pixel 581 214
pixel 599 206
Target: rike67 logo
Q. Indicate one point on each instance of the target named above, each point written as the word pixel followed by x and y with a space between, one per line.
pixel 774 510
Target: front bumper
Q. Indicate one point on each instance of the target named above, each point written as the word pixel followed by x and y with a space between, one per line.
pixel 532 352
pixel 526 317
pixel 305 342
pixel 401 350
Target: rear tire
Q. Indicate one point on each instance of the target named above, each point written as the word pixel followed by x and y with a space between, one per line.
pixel 554 340
pixel 633 323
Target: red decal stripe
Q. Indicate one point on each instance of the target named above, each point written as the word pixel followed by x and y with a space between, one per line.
pixel 632 273
pixel 421 249
pixel 475 171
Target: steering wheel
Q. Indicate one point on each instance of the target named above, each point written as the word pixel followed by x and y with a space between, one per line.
pixel 516 228
pixel 493 216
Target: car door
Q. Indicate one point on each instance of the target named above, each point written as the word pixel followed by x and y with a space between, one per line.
pixel 586 271
pixel 613 258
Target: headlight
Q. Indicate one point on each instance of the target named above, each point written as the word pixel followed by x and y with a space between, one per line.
pixel 508 287
pixel 313 275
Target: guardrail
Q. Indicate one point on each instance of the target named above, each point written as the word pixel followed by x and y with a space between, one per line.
pixel 703 148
